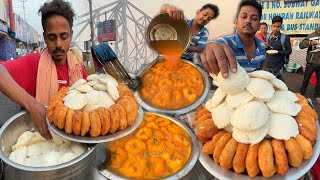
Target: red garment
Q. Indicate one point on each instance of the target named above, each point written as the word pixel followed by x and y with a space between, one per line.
pixel 313 79
pixel 24 71
pixel 315 171
pixel 260 36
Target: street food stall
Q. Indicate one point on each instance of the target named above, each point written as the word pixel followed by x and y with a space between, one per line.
pixel 112 126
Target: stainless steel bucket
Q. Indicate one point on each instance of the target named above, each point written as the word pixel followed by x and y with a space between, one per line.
pixel 79 168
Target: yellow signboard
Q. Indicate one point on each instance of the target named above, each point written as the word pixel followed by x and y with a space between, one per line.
pixel 299 17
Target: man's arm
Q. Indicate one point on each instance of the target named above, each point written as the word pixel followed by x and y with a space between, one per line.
pixel 306 43
pixel 219 57
pixel 287 46
pixel 12 90
pixel 196 49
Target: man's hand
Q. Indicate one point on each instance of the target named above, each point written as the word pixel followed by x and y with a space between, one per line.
pixel 313 43
pixel 219 57
pixel 174 12
pixel 266 45
pixel 38 116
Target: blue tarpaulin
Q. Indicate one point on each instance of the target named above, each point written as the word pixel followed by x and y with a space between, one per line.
pixel 8 48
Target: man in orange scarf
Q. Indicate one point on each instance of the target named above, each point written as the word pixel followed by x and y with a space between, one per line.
pixel 31 80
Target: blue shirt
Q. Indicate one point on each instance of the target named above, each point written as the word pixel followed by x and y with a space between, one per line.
pixel 235 44
pixel 200 39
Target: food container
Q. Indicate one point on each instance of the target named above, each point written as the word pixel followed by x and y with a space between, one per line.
pixel 183 110
pixel 162 27
pixel 102 156
pixel 292 67
pixel 294 173
pixel 81 167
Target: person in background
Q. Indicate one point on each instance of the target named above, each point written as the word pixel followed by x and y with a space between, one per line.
pixel 262 33
pixel 313 63
pixel 280 42
pixel 242 47
pixel 199 33
pixel 35 49
pixel 31 80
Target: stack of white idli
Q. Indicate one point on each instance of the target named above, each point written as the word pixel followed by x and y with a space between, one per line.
pixel 33 150
pixel 253 106
pixel 99 91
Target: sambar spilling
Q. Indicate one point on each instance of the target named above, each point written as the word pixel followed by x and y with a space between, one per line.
pixel 171 84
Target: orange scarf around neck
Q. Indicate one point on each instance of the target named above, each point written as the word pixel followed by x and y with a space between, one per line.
pixel 47 78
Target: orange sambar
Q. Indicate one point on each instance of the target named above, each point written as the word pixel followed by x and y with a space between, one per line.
pixel 166 89
pixel 157 149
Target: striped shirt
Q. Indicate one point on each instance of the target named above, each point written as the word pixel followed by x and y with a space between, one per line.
pixel 200 39
pixel 235 44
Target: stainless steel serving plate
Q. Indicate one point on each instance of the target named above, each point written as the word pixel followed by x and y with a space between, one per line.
pixel 99 139
pixel 102 156
pixel 183 110
pixel 294 173
pixel 78 168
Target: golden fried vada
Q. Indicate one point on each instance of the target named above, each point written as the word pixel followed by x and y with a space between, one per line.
pixel 239 160
pixel 114 119
pixel 306 133
pixel 228 153
pixel 265 159
pixel 305 146
pixel 95 124
pixel 295 155
pixel 76 123
pixel 105 120
pixel 220 145
pixel 304 122
pixel 85 125
pixel 62 117
pixel 209 146
pixel 252 164
pixel 123 123
pixel 69 121
pixel 280 156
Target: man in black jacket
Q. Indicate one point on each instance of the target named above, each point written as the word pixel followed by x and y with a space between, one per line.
pixel 312 42
pixel 280 42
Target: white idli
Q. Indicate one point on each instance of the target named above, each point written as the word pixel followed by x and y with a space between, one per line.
pixel 216 99
pixel 221 115
pixel 84 88
pixel 290 96
pixel 262 75
pixel 282 105
pixel 77 102
pixel 260 88
pixel 235 83
pixel 282 126
pixel 77 83
pixel 236 100
pixel 279 84
pixel 250 116
pixel 250 137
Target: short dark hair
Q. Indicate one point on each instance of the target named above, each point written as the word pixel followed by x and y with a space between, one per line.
pixel 253 3
pixel 35 47
pixel 213 7
pixel 56 7
pixel 277 19
pixel 263 23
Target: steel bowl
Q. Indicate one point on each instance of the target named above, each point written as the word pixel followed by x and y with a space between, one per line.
pixel 78 168
pixel 102 156
pixel 183 110
pixel 162 27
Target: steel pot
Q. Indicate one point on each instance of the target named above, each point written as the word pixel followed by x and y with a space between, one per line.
pixel 183 110
pixel 81 167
